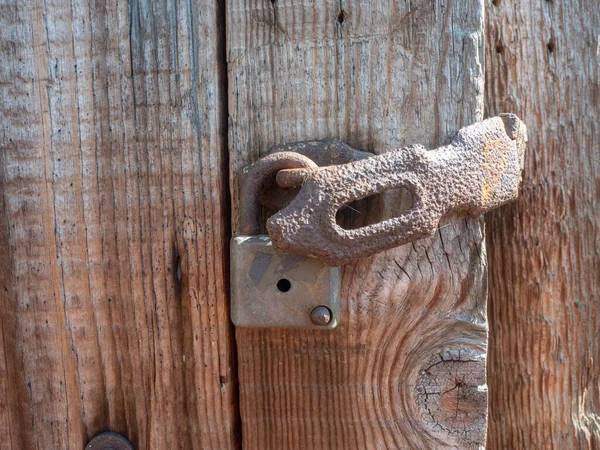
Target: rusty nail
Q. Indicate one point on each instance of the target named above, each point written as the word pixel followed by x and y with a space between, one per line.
pixel 109 441
pixel 320 315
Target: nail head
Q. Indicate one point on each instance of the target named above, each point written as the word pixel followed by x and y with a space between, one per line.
pixel 321 315
pixel 109 441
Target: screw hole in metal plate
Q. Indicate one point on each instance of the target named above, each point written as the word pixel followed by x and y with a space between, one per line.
pixel 284 285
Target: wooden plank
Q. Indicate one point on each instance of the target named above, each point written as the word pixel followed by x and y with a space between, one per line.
pixel 544 259
pixel 406 367
pixel 113 244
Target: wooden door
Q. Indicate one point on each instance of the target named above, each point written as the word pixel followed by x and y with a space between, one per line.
pixel 543 63
pixel 406 366
pixel 113 176
pixel 124 127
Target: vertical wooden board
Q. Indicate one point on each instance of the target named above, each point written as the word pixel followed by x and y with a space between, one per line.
pixel 406 366
pixel 112 234
pixel 543 63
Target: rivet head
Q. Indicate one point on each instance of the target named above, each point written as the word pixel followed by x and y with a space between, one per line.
pixel 321 315
pixel 109 441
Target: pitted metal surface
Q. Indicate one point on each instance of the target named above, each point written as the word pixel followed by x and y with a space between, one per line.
pixel 256 176
pixel 479 170
pixel 326 152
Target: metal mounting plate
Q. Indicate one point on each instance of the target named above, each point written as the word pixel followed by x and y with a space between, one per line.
pixel 278 290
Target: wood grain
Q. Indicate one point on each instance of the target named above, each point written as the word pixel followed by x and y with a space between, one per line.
pixel 406 367
pixel 543 63
pixel 113 187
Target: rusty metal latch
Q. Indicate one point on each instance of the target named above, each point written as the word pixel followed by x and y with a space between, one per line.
pixel 478 171
pixel 278 280
pixel 273 289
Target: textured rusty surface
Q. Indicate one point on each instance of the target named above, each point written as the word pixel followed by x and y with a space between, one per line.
pixel 326 152
pixel 257 300
pixel 259 173
pixel 479 170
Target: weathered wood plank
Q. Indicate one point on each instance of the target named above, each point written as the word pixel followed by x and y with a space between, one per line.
pixel 112 238
pixel 406 368
pixel 543 63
